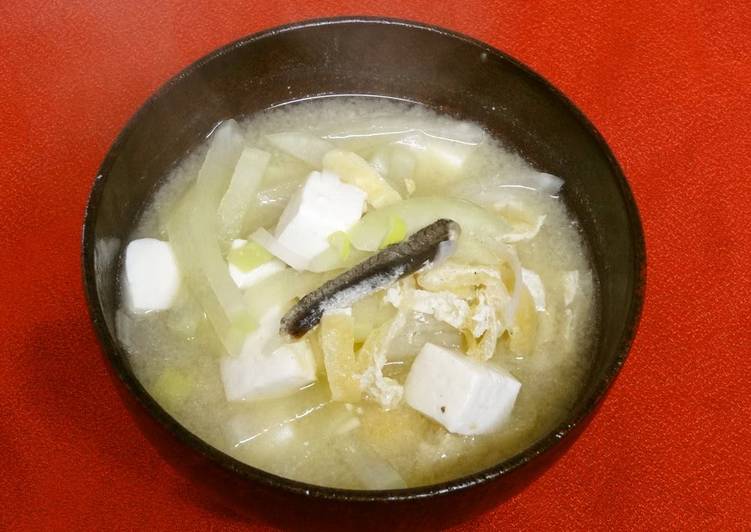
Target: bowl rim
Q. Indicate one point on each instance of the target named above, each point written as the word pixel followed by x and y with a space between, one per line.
pixel 115 355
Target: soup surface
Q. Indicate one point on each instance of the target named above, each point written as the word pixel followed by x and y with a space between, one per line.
pixel 270 209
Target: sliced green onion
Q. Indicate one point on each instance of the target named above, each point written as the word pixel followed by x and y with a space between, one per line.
pixel 172 388
pixel 396 233
pixel 248 256
pixel 340 242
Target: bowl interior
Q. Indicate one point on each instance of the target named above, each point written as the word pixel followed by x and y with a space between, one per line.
pixel 444 71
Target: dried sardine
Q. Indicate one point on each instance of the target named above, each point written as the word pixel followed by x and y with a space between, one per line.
pixel 430 245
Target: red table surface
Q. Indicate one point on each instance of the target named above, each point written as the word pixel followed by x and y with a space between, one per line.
pixel 669 88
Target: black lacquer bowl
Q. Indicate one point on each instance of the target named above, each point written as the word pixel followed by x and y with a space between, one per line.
pixel 445 71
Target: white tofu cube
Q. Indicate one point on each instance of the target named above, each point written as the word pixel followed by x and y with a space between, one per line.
pixel 264 368
pixel 465 396
pixel 323 206
pixel 152 278
pixel 262 375
pixel 245 279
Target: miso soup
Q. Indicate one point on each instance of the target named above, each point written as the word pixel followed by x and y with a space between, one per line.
pixel 359 293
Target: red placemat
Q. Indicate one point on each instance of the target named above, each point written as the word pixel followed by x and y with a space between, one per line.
pixel 669 87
